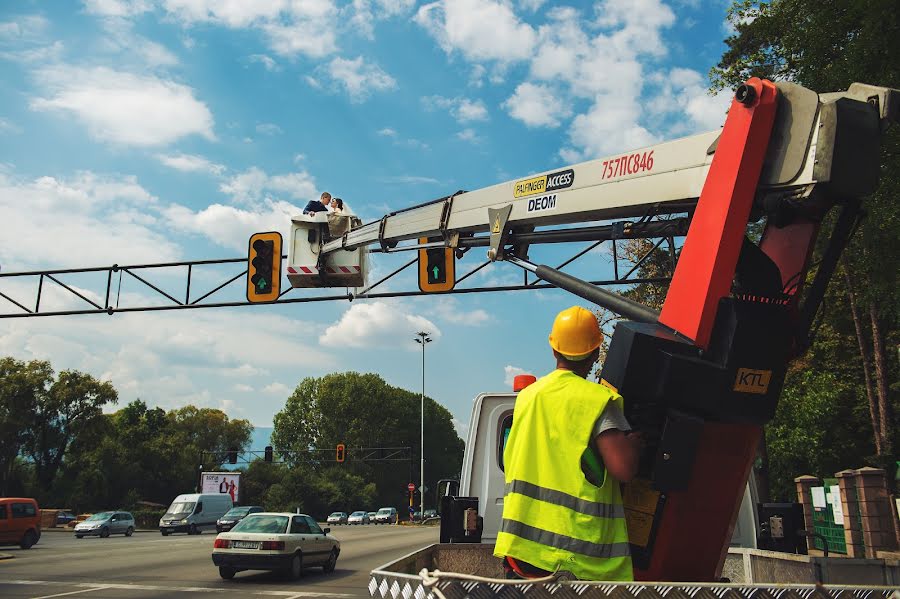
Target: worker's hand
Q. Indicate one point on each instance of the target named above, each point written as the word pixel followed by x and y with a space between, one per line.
pixel 620 452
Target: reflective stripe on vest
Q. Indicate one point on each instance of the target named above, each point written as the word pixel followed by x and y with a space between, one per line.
pixel 552 539
pixel 583 506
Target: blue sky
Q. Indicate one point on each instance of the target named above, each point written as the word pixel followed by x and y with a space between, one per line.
pixel 141 131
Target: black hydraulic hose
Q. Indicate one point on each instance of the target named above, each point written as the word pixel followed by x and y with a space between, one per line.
pixel 619 304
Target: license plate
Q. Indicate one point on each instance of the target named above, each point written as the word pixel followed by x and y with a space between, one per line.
pixel 245 545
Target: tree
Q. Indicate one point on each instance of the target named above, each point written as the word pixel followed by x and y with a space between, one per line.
pixel 362 410
pixel 827 45
pixel 21 386
pixel 68 409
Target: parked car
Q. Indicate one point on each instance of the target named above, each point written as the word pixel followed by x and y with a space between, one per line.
pixel 194 512
pixel 431 514
pixel 337 518
pixel 20 522
pixel 63 517
pixel 358 518
pixel 104 524
pixel 372 517
pixel 235 515
pixel 386 515
pixel 275 541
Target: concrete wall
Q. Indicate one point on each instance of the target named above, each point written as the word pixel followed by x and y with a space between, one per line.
pixel 755 566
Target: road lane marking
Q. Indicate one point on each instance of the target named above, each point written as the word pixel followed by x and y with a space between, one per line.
pixel 98 586
pixel 71 593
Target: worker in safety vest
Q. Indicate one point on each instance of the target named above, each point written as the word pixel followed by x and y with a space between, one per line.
pixel 569 448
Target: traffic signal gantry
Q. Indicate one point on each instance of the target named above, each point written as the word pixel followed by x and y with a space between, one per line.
pixel 264 267
pixel 437 268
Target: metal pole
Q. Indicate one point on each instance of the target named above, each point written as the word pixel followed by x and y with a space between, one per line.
pixel 422 338
pixel 422 440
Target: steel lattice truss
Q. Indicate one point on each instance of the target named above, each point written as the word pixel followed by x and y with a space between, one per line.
pixel 106 298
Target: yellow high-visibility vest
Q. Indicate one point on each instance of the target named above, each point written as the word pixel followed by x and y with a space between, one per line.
pixel 553 517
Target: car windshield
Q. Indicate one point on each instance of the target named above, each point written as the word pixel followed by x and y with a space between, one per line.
pixel 100 516
pixel 384 510
pixel 336 514
pixel 177 509
pixel 358 514
pixel 236 511
pixel 264 524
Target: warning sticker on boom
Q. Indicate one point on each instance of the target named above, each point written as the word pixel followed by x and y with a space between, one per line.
pixel 544 183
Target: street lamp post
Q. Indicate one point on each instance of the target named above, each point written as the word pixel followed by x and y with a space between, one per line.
pixel 422 339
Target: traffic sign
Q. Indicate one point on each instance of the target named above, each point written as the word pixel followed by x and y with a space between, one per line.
pixel 411 486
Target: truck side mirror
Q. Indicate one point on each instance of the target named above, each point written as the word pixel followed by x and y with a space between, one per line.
pixel 446 488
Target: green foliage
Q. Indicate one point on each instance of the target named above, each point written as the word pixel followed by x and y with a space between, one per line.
pixel 816 430
pixel 823 422
pixel 362 410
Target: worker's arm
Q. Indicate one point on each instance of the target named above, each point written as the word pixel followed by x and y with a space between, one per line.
pixel 620 452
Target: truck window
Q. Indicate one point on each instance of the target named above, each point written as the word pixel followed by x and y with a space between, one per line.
pixel 505 427
pixel 23 510
pixel 2 512
pixel 199 509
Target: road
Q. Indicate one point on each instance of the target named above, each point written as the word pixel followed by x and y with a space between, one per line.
pixel 148 565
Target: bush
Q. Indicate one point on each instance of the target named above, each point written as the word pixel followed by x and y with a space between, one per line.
pixel 147 518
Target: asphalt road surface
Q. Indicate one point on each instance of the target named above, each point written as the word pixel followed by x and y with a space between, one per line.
pixel 149 565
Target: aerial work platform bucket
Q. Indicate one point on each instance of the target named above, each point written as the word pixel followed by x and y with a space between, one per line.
pixel 308 267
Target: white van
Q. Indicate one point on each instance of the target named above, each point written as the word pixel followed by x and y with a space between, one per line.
pixel 194 512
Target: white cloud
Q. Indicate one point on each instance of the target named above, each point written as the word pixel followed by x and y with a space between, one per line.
pixel 378 324
pixel 304 27
pixel 409 180
pixel 610 126
pixel 250 186
pixel 269 129
pixel 358 78
pixel 7 126
pixel 536 106
pixel 230 227
pixel 365 13
pixel 25 28
pixel 450 309
pixel 510 373
pixel 277 389
pixel 469 135
pixel 124 108
pixel 481 30
pixel 48 220
pixel 387 132
pixel 117 8
pixel 684 93
pixel 168 359
pixel 266 61
pixel 463 110
pixel 190 163
pixel 462 428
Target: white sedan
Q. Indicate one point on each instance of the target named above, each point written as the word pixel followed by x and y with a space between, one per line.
pixel 358 518
pixel 275 541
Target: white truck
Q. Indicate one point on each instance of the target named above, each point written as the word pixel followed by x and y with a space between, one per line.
pixel 701 377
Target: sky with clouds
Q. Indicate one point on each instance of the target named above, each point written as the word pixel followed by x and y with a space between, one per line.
pixel 147 131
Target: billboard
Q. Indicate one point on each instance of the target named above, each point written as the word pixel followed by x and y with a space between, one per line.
pixel 222 482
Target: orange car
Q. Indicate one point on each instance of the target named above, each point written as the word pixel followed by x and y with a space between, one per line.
pixel 20 522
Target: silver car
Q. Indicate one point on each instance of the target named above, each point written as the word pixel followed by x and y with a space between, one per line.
pixel 103 524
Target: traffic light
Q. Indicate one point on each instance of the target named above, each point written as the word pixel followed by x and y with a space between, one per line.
pixel 268 453
pixel 232 456
pixel 264 267
pixel 437 268
pixel 339 453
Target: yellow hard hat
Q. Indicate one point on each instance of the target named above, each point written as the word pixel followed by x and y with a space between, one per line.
pixel 575 333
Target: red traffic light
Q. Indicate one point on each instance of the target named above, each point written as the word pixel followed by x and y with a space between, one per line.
pixel 339 453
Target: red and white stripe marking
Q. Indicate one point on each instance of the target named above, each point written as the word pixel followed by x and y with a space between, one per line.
pixel 312 270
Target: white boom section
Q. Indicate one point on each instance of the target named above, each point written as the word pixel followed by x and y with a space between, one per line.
pixel 669 174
